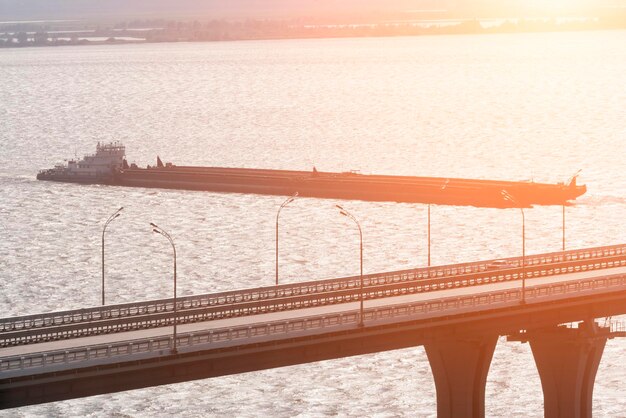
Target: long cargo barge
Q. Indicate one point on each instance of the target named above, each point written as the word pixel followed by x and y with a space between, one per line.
pixel 108 166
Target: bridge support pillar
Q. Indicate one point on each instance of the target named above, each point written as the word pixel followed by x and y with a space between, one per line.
pixel 567 360
pixel 460 366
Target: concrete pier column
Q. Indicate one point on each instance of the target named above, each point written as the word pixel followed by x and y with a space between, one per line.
pixel 460 366
pixel 567 360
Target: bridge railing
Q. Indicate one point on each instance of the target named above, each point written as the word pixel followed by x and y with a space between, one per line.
pixel 294 289
pixel 164 318
pixel 618 327
pixel 218 338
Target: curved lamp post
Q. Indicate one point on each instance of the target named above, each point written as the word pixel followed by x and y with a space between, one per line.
pixel 285 203
pixel 106 224
pixel 445 184
pixel 507 196
pixel 570 182
pixel 349 215
pixel 563 227
pixel 429 237
pixel 158 230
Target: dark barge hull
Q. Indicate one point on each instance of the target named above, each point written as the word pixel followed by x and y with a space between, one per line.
pixel 69 178
pixel 352 186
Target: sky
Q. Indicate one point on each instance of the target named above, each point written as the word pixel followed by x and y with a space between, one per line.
pixel 218 9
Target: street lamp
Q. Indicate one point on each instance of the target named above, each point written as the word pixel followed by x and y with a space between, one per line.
pixel 570 182
pixel 113 216
pixel 507 196
pixel 564 227
pixel 158 230
pixel 445 184
pixel 349 215
pixel 285 203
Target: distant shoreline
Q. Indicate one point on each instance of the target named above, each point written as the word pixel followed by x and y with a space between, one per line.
pixel 21 35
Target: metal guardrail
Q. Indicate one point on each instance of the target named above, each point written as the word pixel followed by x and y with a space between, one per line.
pixel 153 320
pixel 277 329
pixel 618 327
pixel 305 288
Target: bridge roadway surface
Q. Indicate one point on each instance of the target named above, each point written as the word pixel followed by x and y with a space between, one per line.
pixel 303 312
pixel 464 313
pixel 127 317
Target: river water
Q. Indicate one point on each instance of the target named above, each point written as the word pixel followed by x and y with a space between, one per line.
pixel 520 106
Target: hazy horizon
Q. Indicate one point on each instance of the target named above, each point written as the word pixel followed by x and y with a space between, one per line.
pixel 18 10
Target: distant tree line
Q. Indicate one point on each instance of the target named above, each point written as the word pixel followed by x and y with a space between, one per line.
pixel 160 30
pixel 254 29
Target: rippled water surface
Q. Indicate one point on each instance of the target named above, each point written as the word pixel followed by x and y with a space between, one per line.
pixel 527 106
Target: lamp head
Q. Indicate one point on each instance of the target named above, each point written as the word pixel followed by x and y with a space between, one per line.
pixel 153 225
pixel 339 207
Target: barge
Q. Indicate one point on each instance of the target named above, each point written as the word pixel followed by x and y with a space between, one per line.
pixel 109 166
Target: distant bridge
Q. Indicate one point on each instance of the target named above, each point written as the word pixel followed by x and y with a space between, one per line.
pixel 456 311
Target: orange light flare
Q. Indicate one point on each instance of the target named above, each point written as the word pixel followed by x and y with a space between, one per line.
pixel 563 8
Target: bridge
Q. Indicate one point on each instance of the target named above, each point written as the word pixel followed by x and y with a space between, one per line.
pixel 457 312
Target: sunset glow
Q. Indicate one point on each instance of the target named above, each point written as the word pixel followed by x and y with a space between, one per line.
pixel 312 208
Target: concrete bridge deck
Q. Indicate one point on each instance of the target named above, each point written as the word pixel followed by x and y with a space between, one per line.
pixel 465 307
pixel 191 309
